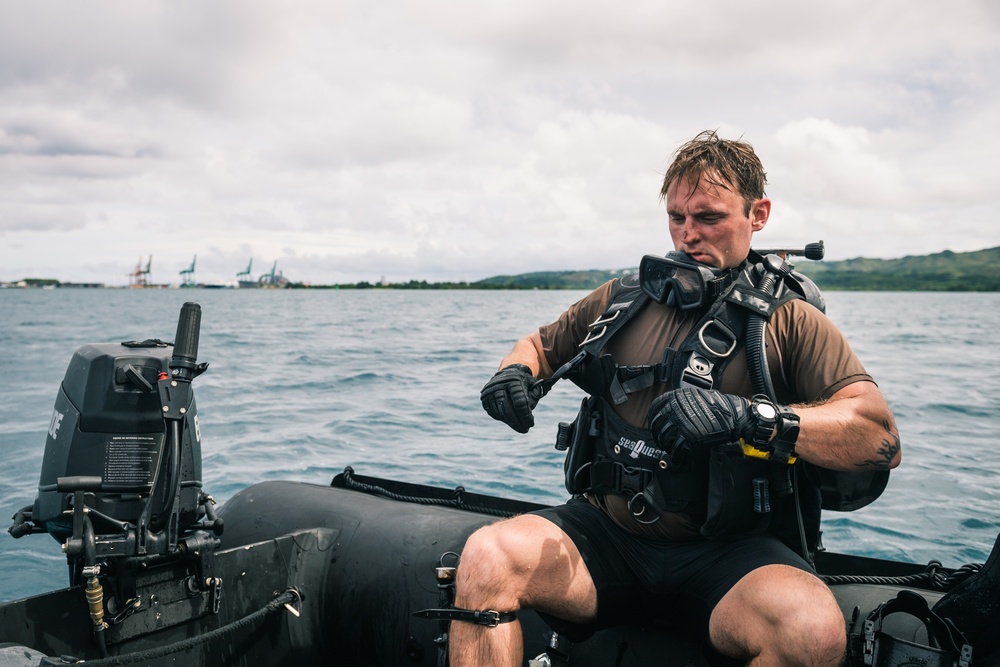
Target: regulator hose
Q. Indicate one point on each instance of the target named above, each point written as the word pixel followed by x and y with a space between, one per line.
pixel 760 378
pixel 773 269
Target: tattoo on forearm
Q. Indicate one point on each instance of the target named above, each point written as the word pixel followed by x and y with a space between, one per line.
pixel 887 451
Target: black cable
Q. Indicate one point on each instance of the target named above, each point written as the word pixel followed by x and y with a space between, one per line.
pixel 274 605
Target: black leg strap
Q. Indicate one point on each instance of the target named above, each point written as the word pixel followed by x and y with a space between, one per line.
pixel 489 618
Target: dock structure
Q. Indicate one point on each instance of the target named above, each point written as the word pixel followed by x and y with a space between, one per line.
pixel 140 276
pixel 243 278
pixel 187 275
pixel 271 280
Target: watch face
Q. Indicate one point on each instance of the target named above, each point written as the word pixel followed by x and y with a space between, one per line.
pixel 766 411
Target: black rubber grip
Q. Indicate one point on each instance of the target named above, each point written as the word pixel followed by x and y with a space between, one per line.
pixel 188 328
pixel 814 251
pixel 78 483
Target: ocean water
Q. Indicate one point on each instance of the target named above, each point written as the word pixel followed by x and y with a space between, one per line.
pixel 303 383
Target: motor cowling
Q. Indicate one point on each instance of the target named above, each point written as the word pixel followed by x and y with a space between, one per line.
pixel 108 429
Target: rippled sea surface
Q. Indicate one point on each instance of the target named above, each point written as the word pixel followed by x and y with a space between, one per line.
pixel 302 383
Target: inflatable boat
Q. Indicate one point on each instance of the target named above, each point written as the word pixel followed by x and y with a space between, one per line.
pixel 288 573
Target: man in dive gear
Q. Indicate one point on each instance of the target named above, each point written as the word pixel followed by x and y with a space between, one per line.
pixel 638 545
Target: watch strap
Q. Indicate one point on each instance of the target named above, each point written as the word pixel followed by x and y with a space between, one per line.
pixel 783 444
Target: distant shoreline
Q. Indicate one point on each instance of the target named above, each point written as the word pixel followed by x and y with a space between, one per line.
pixel 947 271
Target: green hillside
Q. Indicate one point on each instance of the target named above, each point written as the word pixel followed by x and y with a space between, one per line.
pixel 553 279
pixel 946 271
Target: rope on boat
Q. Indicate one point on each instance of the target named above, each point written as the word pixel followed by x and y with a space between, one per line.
pixel 290 596
pixel 933 576
pixel 455 501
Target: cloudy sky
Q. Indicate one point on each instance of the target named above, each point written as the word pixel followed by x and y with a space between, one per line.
pixel 460 139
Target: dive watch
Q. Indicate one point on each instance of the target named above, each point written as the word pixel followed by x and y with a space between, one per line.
pixel 769 416
pixel 765 413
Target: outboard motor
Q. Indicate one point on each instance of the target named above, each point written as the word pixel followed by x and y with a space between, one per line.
pixel 120 484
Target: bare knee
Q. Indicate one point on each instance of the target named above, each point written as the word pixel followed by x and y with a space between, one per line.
pixel 781 616
pixel 488 570
pixel 815 636
pixel 526 561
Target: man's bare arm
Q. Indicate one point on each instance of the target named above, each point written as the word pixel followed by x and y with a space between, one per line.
pixel 528 351
pixel 854 429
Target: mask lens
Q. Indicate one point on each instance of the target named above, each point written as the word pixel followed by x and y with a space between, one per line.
pixel 655 275
pixel 688 287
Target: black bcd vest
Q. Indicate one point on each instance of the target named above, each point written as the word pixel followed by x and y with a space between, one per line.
pixel 608 455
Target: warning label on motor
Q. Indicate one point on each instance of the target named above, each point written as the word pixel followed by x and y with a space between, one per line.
pixel 130 459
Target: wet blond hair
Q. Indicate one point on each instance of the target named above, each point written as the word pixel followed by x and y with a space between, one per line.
pixel 721 162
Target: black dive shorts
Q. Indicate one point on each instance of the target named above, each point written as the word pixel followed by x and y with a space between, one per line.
pixel 639 579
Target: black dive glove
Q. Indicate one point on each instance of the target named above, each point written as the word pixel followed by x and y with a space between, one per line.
pixel 700 417
pixel 685 418
pixel 509 397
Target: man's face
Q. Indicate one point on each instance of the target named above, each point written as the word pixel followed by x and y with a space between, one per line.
pixel 707 221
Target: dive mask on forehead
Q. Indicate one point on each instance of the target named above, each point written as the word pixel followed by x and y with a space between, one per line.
pixel 677 280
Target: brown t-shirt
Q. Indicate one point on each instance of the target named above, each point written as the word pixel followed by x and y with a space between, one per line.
pixel 808 359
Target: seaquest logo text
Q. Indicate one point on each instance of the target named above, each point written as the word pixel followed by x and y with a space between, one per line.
pixel 637 448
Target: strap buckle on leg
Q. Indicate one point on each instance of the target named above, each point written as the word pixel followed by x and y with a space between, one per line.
pixel 488 618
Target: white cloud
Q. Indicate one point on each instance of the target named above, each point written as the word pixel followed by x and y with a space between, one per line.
pixel 446 140
pixel 822 162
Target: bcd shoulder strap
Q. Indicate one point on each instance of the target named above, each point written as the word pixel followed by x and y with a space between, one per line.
pixel 627 299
